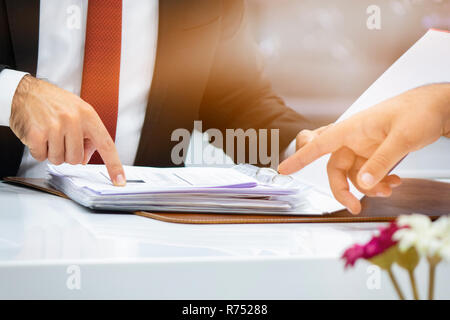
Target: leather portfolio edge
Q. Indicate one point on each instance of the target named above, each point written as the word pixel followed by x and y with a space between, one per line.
pixel 211 218
pixel 415 195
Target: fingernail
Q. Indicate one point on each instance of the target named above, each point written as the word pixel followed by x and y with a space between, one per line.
pixel 381 194
pixel 120 180
pixel 394 185
pixel 367 179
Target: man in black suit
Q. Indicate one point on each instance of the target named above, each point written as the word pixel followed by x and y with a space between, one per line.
pixel 206 67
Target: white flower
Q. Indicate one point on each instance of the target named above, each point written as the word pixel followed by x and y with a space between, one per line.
pixel 415 221
pixel 445 250
pixel 429 238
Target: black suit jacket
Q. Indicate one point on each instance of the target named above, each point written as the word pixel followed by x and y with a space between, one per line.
pixel 207 68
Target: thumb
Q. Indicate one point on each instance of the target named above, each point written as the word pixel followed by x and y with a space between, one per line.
pixel 382 161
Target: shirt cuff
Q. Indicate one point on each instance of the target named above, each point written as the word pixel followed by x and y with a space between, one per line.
pixel 289 151
pixel 9 80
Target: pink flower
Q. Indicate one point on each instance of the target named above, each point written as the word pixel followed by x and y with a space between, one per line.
pixel 377 245
pixel 352 254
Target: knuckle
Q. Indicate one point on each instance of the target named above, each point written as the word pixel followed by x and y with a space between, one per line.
pixel 304 132
pixel 106 145
pixel 87 109
pixel 73 160
pixel 55 126
pixel 330 166
pixel 316 148
pixel 39 155
pixel 115 168
pixel 305 136
pixel 70 116
pixel 380 162
pixel 406 140
pixel 55 160
pixel 36 137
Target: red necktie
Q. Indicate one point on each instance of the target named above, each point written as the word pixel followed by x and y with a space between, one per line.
pixel 101 69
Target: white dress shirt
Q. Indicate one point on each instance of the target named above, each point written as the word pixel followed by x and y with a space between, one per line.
pixel 62 29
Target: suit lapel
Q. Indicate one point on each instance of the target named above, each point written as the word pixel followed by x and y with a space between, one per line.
pixel 23 18
pixel 187 38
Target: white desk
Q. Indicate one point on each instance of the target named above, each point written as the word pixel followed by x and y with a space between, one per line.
pixel 127 256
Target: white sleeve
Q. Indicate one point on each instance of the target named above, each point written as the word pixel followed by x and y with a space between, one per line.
pixel 9 80
pixel 289 151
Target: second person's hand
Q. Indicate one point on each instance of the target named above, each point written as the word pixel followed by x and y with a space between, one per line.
pixel 365 147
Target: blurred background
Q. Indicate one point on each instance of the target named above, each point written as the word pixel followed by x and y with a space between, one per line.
pixel 321 56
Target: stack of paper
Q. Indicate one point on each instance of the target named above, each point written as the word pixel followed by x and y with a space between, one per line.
pixel 190 189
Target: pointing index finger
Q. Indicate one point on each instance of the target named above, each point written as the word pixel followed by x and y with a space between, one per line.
pixel 329 141
pixel 105 146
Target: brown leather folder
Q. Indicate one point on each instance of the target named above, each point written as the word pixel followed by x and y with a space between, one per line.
pixel 414 195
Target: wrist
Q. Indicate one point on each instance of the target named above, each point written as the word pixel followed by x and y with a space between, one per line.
pixel 445 109
pixel 440 103
pixel 447 116
pixel 9 81
pixel 21 93
pixel 447 128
